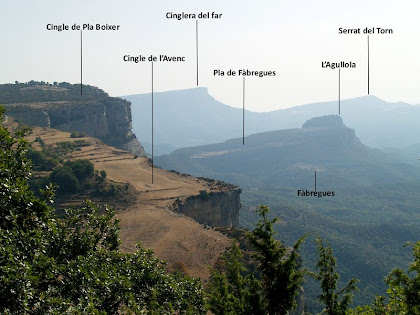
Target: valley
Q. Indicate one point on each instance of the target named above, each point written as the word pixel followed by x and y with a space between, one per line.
pixel 363 200
pixel 210 157
pixel 369 205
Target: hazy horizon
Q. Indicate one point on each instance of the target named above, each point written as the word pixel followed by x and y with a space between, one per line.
pixel 273 109
pixel 291 38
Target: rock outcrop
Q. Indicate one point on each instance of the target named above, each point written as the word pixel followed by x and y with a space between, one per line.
pixel 96 114
pixel 332 129
pixel 328 121
pixel 219 208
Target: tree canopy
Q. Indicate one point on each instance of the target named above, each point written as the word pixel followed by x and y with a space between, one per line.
pixel 51 265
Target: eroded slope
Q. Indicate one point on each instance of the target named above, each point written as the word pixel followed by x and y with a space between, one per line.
pixel 175 238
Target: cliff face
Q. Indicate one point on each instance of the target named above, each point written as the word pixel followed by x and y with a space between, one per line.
pixel 103 117
pixel 214 208
pixel 174 238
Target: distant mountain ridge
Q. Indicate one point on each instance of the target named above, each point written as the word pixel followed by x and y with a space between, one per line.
pixel 290 157
pixel 192 117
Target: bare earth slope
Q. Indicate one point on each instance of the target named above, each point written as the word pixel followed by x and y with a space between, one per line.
pixel 173 237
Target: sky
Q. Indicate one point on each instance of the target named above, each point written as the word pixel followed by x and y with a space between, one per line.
pixel 289 37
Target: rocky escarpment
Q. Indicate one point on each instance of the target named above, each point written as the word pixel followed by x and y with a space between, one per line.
pixel 332 129
pixel 59 107
pixel 215 208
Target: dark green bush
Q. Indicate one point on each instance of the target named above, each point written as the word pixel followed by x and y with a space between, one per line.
pixel 64 177
pixel 82 169
pixel 76 134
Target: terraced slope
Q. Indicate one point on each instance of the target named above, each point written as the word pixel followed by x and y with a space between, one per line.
pixel 175 238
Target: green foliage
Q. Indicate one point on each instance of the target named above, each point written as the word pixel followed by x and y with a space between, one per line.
pixel 378 308
pixel 236 290
pixel 82 169
pixel 40 91
pixel 73 265
pixel 279 266
pixel 41 161
pixel 374 210
pixel 76 134
pixel 40 141
pixel 272 290
pixel 72 175
pixel 65 147
pixel 366 227
pixel 80 143
pixel 220 300
pixel 404 288
pixel 65 178
pixel 204 195
pixel 403 292
pixel 336 302
pixel 49 157
pixel 103 174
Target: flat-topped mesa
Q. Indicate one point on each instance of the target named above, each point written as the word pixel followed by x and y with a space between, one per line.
pixel 329 121
pixel 41 92
pixel 61 106
pixel 332 130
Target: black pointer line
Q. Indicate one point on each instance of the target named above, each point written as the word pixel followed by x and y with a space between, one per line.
pixel 196 44
pixel 339 91
pixel 81 62
pixel 243 112
pixel 368 66
pixel 152 130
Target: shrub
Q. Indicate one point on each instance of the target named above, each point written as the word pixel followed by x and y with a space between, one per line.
pixel 40 141
pixel 204 195
pixel 65 178
pixel 82 169
pixel 103 174
pixel 41 162
pixel 76 134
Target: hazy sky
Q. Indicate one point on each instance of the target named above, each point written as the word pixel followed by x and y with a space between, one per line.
pixel 289 37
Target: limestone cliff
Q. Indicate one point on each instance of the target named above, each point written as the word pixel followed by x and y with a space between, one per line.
pixel 60 107
pixel 214 208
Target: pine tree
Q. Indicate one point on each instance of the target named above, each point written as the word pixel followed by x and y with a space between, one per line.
pixel 279 265
pixel 336 302
pixel 236 290
pixel 272 289
pixel 404 289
